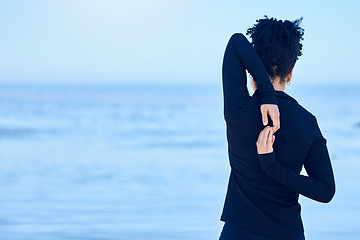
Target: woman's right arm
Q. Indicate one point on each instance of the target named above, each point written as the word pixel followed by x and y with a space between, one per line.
pixel 319 185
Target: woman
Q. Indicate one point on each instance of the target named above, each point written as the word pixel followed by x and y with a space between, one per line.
pixel 265 180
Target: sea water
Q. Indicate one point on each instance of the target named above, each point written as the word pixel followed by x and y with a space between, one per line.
pixel 147 161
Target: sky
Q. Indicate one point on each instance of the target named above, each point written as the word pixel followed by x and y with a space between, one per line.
pixel 162 41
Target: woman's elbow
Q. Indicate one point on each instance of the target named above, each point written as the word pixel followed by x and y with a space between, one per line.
pixel 329 195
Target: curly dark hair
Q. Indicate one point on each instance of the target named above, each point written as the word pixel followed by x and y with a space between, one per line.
pixel 278 44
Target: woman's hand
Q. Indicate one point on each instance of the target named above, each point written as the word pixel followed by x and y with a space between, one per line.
pixel 265 141
pixel 273 111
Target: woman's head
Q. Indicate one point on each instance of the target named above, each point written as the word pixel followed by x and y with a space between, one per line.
pixel 278 44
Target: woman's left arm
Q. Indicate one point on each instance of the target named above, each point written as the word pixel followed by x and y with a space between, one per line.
pixel 239 56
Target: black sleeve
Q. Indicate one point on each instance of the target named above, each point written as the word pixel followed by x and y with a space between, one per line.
pixel 240 56
pixel 319 185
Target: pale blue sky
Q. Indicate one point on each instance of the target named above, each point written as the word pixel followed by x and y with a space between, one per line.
pixel 162 40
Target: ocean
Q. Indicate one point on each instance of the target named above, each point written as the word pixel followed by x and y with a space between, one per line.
pixel 141 161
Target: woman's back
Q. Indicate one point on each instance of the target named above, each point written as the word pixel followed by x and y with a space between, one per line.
pixel 255 201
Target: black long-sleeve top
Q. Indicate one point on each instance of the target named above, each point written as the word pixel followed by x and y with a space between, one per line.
pixel 263 189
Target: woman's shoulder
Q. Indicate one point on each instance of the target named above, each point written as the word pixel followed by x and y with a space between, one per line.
pixel 290 106
pixel 297 118
pixel 296 112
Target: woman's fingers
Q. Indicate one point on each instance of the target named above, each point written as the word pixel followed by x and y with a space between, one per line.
pixel 269 137
pixel 273 111
pixel 263 134
pixel 265 140
pixel 264 116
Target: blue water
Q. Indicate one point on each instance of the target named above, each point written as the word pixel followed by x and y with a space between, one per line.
pixel 147 161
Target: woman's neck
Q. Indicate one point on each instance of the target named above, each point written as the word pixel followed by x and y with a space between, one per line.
pixel 278 85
